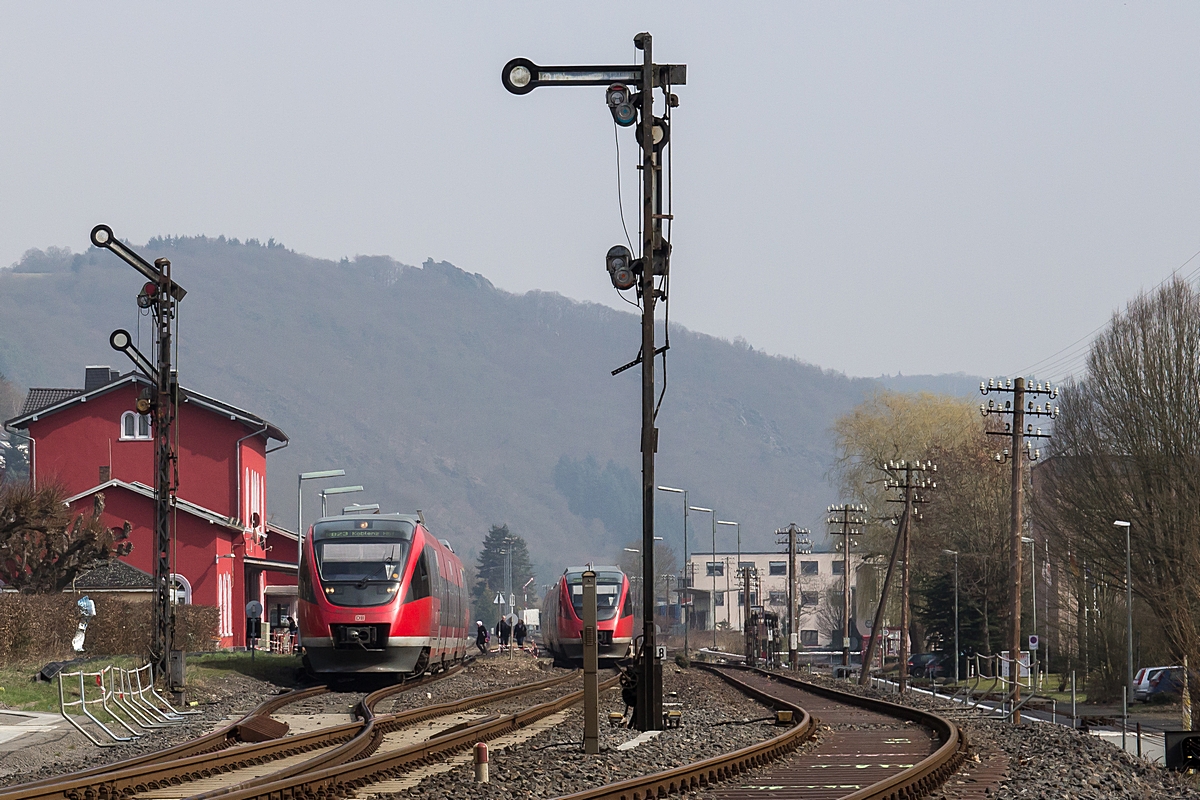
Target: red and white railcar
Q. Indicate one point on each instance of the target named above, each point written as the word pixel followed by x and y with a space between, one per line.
pixel 379 593
pixel 562 615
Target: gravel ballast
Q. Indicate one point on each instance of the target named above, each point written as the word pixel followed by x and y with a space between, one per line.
pixel 1044 760
pixel 716 719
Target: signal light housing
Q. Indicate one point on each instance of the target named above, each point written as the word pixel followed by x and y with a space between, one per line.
pixel 620 265
pixel 620 103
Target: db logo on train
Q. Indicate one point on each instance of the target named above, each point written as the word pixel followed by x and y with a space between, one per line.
pixel 360 617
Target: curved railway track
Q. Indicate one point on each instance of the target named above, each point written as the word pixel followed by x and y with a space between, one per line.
pixel 872 750
pixel 217 765
pixel 863 749
pixel 222 749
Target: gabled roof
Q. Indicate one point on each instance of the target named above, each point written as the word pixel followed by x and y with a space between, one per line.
pixel 282 531
pixel 43 402
pixel 114 574
pixel 147 491
pixel 44 398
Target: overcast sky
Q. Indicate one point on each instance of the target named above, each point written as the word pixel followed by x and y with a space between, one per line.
pixel 874 188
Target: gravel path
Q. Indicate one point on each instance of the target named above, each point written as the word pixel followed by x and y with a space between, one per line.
pixel 716 719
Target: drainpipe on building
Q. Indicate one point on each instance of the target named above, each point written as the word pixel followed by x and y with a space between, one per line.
pixel 237 451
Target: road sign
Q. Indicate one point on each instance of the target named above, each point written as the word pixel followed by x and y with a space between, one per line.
pixel 499 601
pixel 254 609
pixel 1033 642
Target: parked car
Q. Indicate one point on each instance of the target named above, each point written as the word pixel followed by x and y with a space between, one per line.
pixel 1142 680
pixel 1166 685
pixel 930 665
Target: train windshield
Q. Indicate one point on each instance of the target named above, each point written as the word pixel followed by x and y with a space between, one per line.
pixel 362 550
pixel 608 593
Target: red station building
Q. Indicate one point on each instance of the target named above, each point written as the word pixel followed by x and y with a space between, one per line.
pixel 223 552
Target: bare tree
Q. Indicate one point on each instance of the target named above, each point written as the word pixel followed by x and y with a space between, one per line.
pixel 1127 447
pixel 44 544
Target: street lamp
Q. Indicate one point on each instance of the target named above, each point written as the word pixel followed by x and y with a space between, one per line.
pixel 641 563
pixel 956 651
pixel 1128 612
pixel 687 622
pixel 745 589
pixel 310 476
pixel 713 604
pixel 1033 598
pixel 337 490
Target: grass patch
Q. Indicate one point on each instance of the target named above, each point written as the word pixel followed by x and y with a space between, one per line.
pixel 209 668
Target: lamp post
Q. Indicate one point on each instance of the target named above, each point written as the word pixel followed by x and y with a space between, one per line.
pixel 1128 612
pixel 337 490
pixel 956 651
pixel 1033 598
pixel 738 567
pixel 687 622
pixel 713 604
pixel 310 476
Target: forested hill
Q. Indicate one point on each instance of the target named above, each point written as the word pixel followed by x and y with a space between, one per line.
pixel 437 391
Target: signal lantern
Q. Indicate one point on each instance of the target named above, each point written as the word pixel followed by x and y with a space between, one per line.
pixel 620 265
pixel 145 298
pixel 620 103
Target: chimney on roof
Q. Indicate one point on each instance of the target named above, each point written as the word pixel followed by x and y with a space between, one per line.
pixel 95 377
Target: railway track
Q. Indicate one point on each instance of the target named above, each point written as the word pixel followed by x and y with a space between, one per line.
pixel 862 748
pixel 866 749
pixel 383 745
pixel 222 749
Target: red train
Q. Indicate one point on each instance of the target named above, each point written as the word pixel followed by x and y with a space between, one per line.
pixel 562 614
pixel 378 593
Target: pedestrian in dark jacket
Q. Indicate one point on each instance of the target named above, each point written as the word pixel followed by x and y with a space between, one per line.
pixel 519 632
pixel 481 637
pixel 503 630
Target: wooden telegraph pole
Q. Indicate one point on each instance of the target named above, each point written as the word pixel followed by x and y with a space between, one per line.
pixel 911 478
pixel 1020 432
pixel 845 516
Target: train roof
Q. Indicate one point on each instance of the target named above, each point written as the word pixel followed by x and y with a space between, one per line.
pixel 594 568
pixel 413 518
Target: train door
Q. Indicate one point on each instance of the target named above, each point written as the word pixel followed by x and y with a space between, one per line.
pixel 437 644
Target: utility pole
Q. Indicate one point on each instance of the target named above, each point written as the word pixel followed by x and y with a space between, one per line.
pixel 845 516
pixel 788 536
pixel 909 477
pixel 161 295
pixel 1019 431
pixel 521 76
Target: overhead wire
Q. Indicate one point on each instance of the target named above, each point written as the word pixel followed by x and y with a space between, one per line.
pixel 1074 354
pixel 665 283
pixel 621 208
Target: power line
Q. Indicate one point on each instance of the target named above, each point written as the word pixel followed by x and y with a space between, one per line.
pixel 1053 360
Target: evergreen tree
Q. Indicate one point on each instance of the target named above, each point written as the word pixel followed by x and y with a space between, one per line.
pixel 490 574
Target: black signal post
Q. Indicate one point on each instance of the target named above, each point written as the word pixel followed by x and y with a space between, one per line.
pixel 630 98
pixel 161 295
